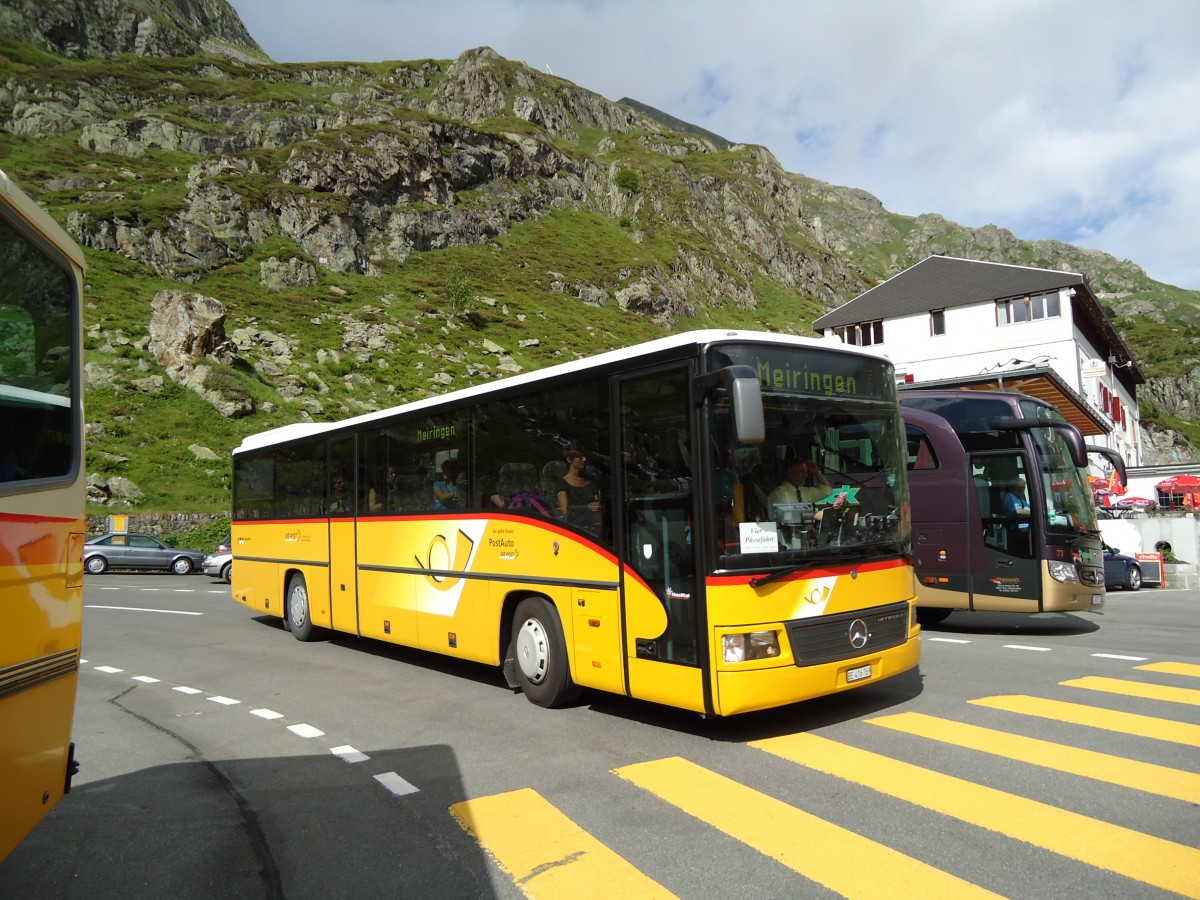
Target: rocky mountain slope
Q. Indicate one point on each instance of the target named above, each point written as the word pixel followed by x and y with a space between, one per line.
pixel 270 242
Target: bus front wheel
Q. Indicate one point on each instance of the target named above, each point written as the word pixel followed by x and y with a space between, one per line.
pixel 299 618
pixel 541 654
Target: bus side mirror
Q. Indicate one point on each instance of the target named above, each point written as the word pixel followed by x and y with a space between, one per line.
pixel 745 400
pixel 1069 432
pixel 748 421
pixel 1113 457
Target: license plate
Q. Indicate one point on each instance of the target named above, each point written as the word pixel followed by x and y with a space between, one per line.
pixel 858 674
pixel 1097 599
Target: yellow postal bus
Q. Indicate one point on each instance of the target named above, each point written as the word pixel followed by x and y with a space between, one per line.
pixel 624 523
pixel 41 510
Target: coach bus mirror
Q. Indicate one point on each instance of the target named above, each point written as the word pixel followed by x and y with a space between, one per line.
pixel 745 399
pixel 1113 457
pixel 1069 432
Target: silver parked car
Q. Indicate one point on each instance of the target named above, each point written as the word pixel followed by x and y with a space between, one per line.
pixel 218 565
pixel 137 551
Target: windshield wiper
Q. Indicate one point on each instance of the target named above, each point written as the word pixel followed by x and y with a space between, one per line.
pixel 808 563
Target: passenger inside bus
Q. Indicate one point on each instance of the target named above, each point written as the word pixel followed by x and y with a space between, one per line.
pixel 445 489
pixel 578 499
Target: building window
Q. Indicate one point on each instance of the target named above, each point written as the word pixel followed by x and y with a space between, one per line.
pixel 863 335
pixel 937 321
pixel 1029 308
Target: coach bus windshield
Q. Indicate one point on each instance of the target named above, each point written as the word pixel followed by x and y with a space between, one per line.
pixel 828 483
pixel 1070 509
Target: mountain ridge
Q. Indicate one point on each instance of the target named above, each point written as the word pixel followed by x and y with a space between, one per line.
pixel 380 232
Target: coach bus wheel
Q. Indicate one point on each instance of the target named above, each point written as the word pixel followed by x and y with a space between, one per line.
pixel 299 622
pixel 541 654
pixel 96 565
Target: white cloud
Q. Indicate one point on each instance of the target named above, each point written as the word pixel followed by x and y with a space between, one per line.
pixel 1074 119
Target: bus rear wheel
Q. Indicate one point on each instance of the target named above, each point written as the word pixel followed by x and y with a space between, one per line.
pixel 298 616
pixel 541 654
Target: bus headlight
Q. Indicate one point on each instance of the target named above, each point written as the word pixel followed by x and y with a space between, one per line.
pixel 1063 571
pixel 753 645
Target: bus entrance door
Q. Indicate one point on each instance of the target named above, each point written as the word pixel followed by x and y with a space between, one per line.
pixel 1007 572
pixel 660 597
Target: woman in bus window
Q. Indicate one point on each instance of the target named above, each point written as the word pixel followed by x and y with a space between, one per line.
pixel 445 490
pixel 578 501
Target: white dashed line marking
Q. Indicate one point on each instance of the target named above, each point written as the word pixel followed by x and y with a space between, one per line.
pixel 396 784
pixel 145 679
pixel 109 669
pixel 305 731
pixel 173 612
pixel 1119 656
pixel 225 701
pixel 1024 647
pixel 187 690
pixel 950 640
pixel 349 754
pixel 266 714
pixel 150 590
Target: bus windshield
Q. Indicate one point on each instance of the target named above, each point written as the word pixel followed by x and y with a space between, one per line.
pixel 828 482
pixel 1070 509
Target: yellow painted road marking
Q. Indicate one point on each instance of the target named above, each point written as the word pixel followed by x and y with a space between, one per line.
pixel 1130 773
pixel 1169 694
pixel 1172 668
pixel 1093 717
pixel 547 854
pixel 1158 862
pixel 843 861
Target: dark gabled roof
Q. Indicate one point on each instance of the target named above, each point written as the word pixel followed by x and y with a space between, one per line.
pixel 944 282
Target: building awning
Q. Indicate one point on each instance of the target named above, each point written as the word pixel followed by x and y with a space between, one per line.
pixel 1039 381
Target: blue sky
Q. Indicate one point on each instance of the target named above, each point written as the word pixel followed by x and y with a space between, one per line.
pixel 1077 120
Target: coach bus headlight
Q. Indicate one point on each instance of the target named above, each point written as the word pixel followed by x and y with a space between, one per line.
pixel 1063 571
pixel 753 645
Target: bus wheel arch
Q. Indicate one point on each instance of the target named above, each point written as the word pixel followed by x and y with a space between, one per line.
pixel 539 651
pixel 297 610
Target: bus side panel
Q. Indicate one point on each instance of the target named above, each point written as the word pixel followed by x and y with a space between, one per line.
pixel 265 552
pixel 597 659
pixel 35 735
pixel 673 685
pixel 340 607
pixel 762 684
pixel 41 613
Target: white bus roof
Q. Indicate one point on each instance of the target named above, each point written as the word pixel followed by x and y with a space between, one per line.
pixel 287 433
pixel 37 218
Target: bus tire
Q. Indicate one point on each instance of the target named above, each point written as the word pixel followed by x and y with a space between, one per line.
pixel 541 654
pixel 931 615
pixel 299 616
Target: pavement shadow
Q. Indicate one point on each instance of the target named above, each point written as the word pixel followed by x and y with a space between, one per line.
pixel 295 827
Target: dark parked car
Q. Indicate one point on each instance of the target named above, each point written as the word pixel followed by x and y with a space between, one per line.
pixel 1121 570
pixel 137 551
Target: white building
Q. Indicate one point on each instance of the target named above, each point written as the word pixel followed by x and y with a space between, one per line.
pixel 949 322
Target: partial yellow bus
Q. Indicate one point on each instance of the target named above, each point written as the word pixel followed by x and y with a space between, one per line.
pixel 623 523
pixel 41 510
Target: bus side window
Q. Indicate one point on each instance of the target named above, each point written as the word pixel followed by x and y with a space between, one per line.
pixel 920 452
